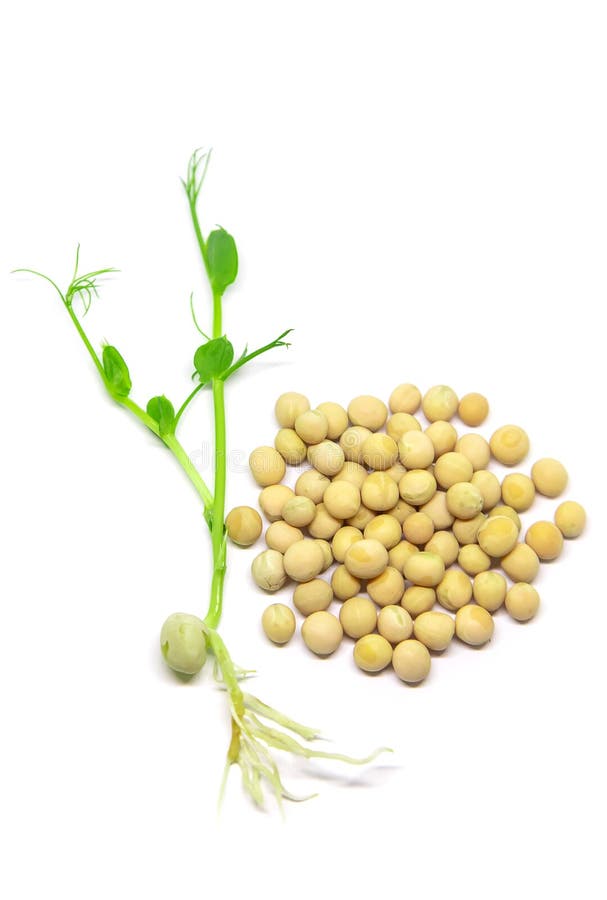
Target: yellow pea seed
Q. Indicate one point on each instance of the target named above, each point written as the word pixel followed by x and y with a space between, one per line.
pixel 311 596
pixel 342 499
pixel 489 486
pixel 366 559
pixel 343 539
pixel 280 536
pixel 443 436
pixel 445 544
pixel 473 409
pixel 451 468
pixel 379 492
pixel 399 554
pixel 352 472
pixel 570 518
pixel 401 511
pixel 434 629
pixel 358 616
pixel 437 509
pixel 411 661
pixel 337 419
pixel 418 599
pixel 497 536
pixel 546 539
pixel 303 560
pixel 299 511
pixel 396 471
pixel 362 518
pixel 344 585
pixel 418 528
pixel 440 403
pixel 311 426
pixel 387 588
pixel 272 499
pixel 476 449
pixel 466 530
pixel 518 491
pixel 521 564
pixel 549 476
pixel 268 570
pixel 502 510
pixel 290 446
pixel 372 653
pixel 312 484
pixel 385 529
pixel 415 450
pixel 289 406
pixel 326 457
pixel 425 569
pixel 379 451
pixel 509 445
pixel 278 623
pixel 454 591
pixel 351 442
pixel 522 602
pixel 417 487
pixel 474 625
pixel 489 590
pixel 473 560
pixel 243 525
pixel 394 624
pixel 267 466
pixel 406 398
pixel 326 552
pixel 464 500
pixel 322 633
pixel 324 525
pixel 370 412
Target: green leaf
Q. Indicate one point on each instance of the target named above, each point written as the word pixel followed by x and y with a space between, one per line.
pixel 222 259
pixel 162 411
pixel 213 358
pixel 116 372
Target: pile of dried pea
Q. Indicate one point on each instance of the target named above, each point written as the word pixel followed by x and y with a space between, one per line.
pixel 411 515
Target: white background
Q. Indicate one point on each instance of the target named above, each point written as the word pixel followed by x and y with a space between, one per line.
pixel 419 190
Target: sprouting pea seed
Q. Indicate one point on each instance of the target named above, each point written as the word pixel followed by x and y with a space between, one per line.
pixel 183 643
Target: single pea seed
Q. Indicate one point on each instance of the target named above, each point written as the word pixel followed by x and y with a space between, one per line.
pixel 454 590
pixel 476 449
pixel 386 529
pixel 351 442
pixel 312 484
pixel 434 629
pixel 436 508
pixel 466 530
pixel 267 466
pixel 489 590
pixel 521 564
pixel 443 436
pixel 440 403
pixel 366 559
pixel 509 445
pixel 473 409
pixel 387 588
pixel 358 616
pixel 325 548
pixel 312 596
pixel 398 555
pixel 280 536
pixel 183 643
pixel 445 544
pixel 418 528
pixel 415 450
pixel 549 476
pixel 417 487
pixel 474 625
pixel 344 585
pixel 303 560
pixel 379 492
pixel 278 623
pixel 370 412
pixel 489 486
pixel 451 468
pixel 394 624
pixel 352 472
pixel 425 569
pixel 311 426
pixel 372 653
pixel 406 398
pixel 522 601
pixel 289 406
pixel 518 491
pixel 379 451
pixel 418 599
pixel 327 457
pixel 268 570
pixel 337 419
pixel 290 446
pixel 322 633
pixel 570 519
pixel 299 511
pixel 503 510
pixel 362 518
pixel 243 525
pixel 411 661
pixel 464 500
pixel 324 525
pixel 343 539
pixel 342 499
pixel 401 423
pixel 473 560
pixel 497 536
pixel 546 539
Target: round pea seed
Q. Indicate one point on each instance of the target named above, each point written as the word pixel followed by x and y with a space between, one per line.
pixel 325 548
pixel 518 491
pixel 415 450
pixel 464 500
pixel 267 466
pixel 386 529
pixel 440 403
pixel 312 596
pixel 418 599
pixel 280 536
pixel 473 409
pixel 451 468
pixel 312 484
pixel 387 588
pixel 522 602
pixel 434 629
pixel 358 616
pixel 299 511
pixel 370 412
pixel 394 624
pixel 366 559
pixel 489 486
pixel 445 544
pixel 351 442
pixel 417 487
pixel 570 519
pixel 411 661
pixel 400 423
pixel 372 653
pixel 466 530
pixel 289 406
pixel 362 518
pixel 489 590
pixel 311 426
pixel 425 569
pixel 546 539
pixel 243 525
pixel 521 564
pixel 473 560
pixel 337 419
pixel 400 553
pixel 326 457
pixel 290 446
pixel 342 499
pixel 351 472
pixel 379 492
pixel 443 436
pixel 343 539
pixel 322 633
pixel 509 445
pixel 344 585
pixel 549 476
pixel 379 451
pixel 474 625
pixel 278 623
pixel 406 398
pixel 272 499
pixel 303 560
pixel 476 449
pixel 418 528
pixel 454 591
pixel 503 510
pixel 324 525
pixel 437 509
pixel 497 536
pixel 268 570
